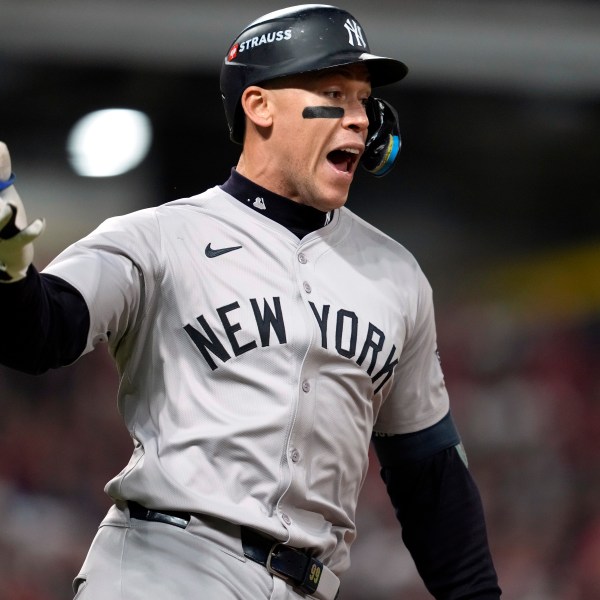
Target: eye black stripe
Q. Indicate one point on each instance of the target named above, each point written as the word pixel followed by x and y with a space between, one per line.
pixel 323 112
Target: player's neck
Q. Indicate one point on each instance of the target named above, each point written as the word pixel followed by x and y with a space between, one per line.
pixel 297 218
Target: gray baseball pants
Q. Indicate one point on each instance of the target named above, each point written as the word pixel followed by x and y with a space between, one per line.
pixel 131 559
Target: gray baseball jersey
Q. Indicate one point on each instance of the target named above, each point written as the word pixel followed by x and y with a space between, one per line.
pixel 254 366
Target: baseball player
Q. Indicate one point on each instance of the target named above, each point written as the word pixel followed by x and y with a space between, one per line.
pixel 264 335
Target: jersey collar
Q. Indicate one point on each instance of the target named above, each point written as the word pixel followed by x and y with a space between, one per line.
pixel 297 218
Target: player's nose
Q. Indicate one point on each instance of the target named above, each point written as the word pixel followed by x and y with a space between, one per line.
pixel 355 116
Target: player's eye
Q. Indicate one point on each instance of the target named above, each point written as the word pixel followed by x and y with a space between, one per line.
pixel 333 94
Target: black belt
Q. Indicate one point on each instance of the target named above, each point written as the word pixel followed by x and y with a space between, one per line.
pixel 299 568
pixel 178 519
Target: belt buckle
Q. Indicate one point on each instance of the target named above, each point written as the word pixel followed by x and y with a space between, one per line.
pixel 268 566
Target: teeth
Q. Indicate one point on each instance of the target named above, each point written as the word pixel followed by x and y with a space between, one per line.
pixel 350 150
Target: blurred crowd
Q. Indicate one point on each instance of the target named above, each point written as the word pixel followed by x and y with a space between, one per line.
pixel 525 396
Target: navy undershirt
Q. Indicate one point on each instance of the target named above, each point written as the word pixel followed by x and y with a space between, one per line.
pixel 300 219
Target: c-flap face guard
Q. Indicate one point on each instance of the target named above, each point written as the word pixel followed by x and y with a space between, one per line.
pixel 383 138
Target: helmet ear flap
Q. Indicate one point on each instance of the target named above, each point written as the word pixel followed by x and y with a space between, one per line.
pixel 383 137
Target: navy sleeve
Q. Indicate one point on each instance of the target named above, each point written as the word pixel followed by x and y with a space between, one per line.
pixel 44 323
pixel 439 508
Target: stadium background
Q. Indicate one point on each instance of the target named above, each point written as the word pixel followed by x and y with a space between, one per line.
pixel 496 194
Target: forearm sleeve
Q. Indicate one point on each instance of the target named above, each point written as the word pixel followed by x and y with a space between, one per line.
pixel 439 507
pixel 44 324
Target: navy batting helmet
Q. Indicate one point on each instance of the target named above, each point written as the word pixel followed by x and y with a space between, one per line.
pixel 303 38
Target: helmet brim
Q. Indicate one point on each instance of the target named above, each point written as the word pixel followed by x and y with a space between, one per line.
pixel 383 70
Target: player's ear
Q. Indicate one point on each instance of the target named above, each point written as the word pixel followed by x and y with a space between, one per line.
pixel 257 106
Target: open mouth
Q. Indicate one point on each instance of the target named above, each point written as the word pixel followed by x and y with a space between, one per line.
pixel 343 159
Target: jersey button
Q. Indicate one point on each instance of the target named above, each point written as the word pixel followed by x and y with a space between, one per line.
pixel 295 455
pixel 286 519
pixel 302 258
pixel 307 287
pixel 306 386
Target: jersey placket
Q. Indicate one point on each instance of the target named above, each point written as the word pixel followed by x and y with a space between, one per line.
pixel 298 440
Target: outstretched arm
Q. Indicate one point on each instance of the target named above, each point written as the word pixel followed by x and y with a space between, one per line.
pixel 44 320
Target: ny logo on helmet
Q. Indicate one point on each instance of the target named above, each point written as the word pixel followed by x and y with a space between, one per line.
pixel 354 33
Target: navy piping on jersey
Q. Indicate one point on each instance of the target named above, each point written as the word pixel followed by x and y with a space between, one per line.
pixel 300 219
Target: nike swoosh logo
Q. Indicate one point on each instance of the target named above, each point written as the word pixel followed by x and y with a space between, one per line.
pixel 214 252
